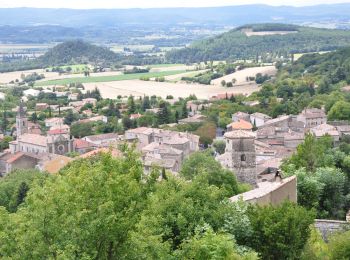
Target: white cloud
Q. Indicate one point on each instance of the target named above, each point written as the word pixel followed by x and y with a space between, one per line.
pixel 84 4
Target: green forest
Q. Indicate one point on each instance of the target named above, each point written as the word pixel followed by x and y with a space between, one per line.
pixel 235 44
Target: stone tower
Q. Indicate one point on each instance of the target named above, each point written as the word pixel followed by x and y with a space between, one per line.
pixel 241 155
pixel 21 120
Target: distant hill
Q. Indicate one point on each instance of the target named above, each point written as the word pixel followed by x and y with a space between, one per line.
pixel 228 15
pixel 76 52
pixel 67 53
pixel 250 41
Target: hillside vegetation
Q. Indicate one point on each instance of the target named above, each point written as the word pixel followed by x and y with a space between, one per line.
pixel 67 53
pixel 237 45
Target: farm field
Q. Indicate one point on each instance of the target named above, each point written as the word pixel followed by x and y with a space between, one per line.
pixel 12 76
pixel 110 78
pixel 140 88
pixel 241 75
pixel 78 68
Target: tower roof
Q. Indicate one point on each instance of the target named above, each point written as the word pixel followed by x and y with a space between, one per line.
pixel 240 134
pixel 21 111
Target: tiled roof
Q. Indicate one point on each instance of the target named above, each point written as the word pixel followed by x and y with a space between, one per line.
pixel 81 144
pixel 162 149
pixel 241 124
pixel 239 134
pixel 56 164
pixel 33 139
pixel 114 152
pixel 102 137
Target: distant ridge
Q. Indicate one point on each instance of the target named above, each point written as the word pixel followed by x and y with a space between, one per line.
pixel 237 44
pixel 228 15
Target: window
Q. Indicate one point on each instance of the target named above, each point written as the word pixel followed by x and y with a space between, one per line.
pixel 243 158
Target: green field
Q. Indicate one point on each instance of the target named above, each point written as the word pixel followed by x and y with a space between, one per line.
pixel 108 78
pixel 78 68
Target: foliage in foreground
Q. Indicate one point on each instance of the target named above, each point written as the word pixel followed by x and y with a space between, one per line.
pixel 107 208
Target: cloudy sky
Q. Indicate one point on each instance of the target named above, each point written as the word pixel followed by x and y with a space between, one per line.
pixel 153 3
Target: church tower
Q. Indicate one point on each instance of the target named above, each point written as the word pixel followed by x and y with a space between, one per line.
pixel 240 151
pixel 21 120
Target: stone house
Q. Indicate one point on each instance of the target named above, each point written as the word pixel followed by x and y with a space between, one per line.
pixel 312 117
pixel 240 116
pixel 259 119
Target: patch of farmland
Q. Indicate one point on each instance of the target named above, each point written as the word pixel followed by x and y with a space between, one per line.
pixel 92 78
pixel 140 88
pixel 241 75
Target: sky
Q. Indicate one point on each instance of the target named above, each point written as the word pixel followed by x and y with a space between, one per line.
pixel 88 4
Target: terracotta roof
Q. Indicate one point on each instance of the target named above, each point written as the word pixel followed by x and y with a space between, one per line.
pixel 81 144
pixel 33 139
pixel 14 157
pixel 57 132
pixel 114 152
pixel 56 164
pixel 239 134
pixel 241 124
pixel 102 137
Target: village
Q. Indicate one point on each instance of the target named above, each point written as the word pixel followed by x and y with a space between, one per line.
pixel 253 146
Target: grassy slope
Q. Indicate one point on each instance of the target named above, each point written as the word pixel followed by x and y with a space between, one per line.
pixel 107 78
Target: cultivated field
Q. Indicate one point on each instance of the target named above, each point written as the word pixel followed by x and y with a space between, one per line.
pixel 149 88
pixel 99 78
pixel 241 75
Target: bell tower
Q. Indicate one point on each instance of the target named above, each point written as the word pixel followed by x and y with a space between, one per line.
pixel 240 147
pixel 21 120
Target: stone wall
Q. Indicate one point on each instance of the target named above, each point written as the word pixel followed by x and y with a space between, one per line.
pixel 327 227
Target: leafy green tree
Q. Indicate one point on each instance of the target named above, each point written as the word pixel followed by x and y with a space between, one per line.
pixel 184 113
pixel 164 114
pixel 204 167
pixel 4 143
pixel 340 111
pixel 69 118
pixel 14 187
pixel 339 246
pixel 131 105
pixel 311 154
pixel 34 117
pixel 280 232
pixel 145 103
pixel 87 212
pixel 80 130
pixel 309 189
pixel 315 248
pixel 206 244
pixel 219 146
pixel 332 200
